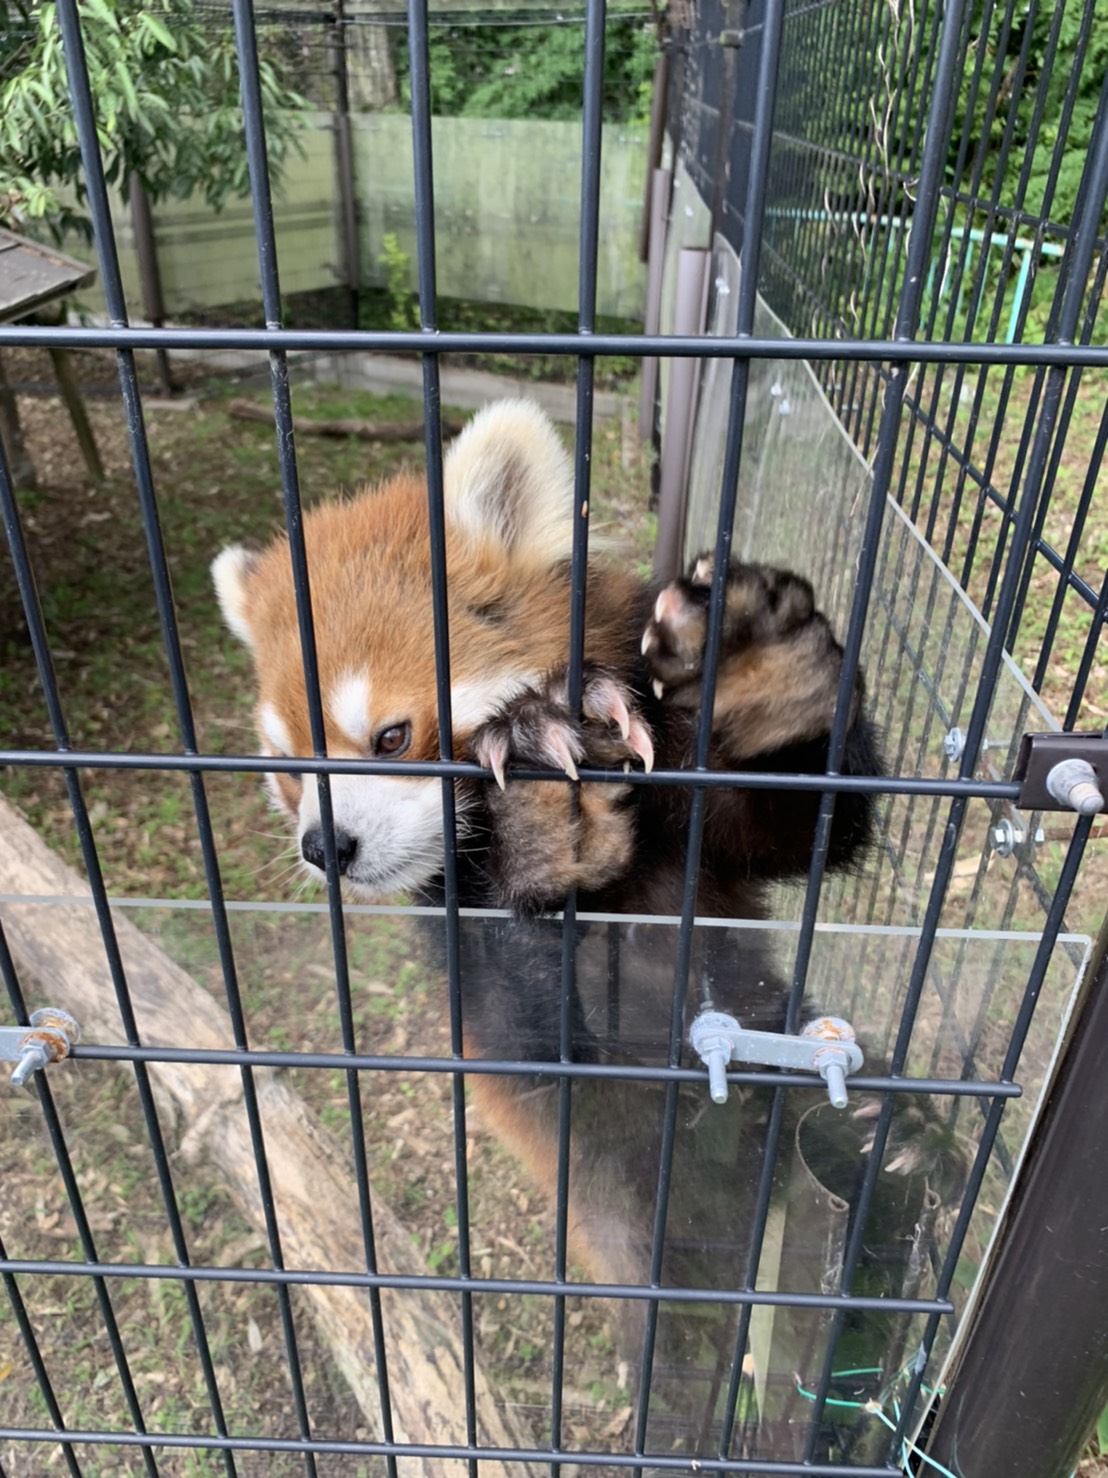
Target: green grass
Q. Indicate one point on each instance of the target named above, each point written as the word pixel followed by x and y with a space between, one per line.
pixel 218 481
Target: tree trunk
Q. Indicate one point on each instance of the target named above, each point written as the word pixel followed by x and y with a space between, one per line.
pixel 58 952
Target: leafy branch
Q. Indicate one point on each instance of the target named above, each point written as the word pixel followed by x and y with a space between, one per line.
pixel 167 102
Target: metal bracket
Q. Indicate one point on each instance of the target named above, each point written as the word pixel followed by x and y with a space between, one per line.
pixel 51 1036
pixel 1063 772
pixel 825 1046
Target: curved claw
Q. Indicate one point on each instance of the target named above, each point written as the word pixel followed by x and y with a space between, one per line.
pixel 603 700
pixel 558 751
pixel 641 742
pixel 493 754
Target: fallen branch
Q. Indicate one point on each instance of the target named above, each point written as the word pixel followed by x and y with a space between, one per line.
pixel 57 947
pixel 249 410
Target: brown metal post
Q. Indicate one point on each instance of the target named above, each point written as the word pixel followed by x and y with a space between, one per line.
pixel 648 384
pixel 655 138
pixel 344 161
pixel 1033 1376
pixel 20 465
pixel 690 309
pixel 150 276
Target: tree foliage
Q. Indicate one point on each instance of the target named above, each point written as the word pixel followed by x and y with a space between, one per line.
pixel 166 92
pixel 1050 58
pixel 536 70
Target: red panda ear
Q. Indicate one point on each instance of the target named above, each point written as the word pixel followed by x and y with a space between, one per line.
pixel 507 477
pixel 231 573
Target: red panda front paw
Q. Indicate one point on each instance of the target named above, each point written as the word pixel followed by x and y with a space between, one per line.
pixel 545 838
pixel 762 607
pixel 779 663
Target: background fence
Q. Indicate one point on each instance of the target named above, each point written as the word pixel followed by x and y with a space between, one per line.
pixel 509 166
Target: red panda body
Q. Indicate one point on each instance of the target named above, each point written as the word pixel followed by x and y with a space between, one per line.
pixel 523 844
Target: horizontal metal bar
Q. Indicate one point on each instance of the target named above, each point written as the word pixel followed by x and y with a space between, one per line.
pixel 73 759
pixel 504 1067
pixel 265 341
pixel 545 1455
pixel 439 1283
pixel 900 223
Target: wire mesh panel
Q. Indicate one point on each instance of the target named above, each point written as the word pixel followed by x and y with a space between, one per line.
pixel 275 1216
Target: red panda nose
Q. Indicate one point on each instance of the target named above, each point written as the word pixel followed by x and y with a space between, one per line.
pixel 311 848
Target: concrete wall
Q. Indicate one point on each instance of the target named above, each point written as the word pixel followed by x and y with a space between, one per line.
pixel 507 207
pixel 507 203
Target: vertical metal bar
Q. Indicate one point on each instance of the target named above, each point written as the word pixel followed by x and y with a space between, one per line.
pixel 40 644
pixel 419 60
pixel 740 376
pixel 38 1365
pixel 84 113
pixel 588 253
pixel 982 154
pixel 265 238
pixel 15 1298
pixel 907 317
pixel 266 243
pixel 1051 927
pixel 1092 642
pixel 1094 189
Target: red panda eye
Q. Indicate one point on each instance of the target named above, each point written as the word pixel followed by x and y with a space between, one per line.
pixel 394 740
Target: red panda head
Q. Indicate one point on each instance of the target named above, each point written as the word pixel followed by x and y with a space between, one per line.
pixel 508 491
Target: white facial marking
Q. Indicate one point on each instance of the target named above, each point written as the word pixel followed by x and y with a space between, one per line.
pixel 349 707
pixel 472 702
pixel 397 825
pixel 273 730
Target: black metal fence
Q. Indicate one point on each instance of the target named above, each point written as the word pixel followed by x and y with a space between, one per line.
pixel 857 154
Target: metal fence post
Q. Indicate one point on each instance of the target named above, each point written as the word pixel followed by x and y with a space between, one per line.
pixel 1042 1313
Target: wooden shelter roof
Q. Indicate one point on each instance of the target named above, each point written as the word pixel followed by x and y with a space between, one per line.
pixel 32 275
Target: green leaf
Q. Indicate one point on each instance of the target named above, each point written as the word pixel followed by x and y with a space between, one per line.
pixel 157 28
pixel 123 77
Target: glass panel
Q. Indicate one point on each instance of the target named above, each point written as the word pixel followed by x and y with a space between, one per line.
pixel 621 1016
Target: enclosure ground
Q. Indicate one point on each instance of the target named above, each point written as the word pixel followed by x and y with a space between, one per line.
pixel 219 481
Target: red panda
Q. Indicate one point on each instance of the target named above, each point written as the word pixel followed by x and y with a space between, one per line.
pixel 524 844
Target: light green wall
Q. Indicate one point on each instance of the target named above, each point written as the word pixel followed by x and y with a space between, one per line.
pixel 507 201
pixel 507 207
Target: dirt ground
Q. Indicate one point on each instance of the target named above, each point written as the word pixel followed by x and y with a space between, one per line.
pixel 219 481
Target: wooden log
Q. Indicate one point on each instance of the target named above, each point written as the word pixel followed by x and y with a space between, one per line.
pixel 58 950
pixel 249 410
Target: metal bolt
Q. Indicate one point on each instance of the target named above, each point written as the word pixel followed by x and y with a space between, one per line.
pixel 1074 784
pixel 710 1038
pixel 50 1037
pixel 1006 836
pixel 35 1056
pixel 954 744
pixel 839 1057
